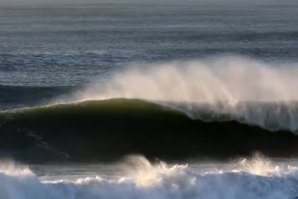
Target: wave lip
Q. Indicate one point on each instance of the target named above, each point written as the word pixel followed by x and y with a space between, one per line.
pixel 12 97
pixel 245 89
pixel 273 116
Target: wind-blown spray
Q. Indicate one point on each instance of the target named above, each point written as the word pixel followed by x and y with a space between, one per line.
pixel 229 87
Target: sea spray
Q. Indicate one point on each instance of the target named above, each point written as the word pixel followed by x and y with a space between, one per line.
pixel 240 88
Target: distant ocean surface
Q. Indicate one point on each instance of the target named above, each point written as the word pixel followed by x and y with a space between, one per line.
pixel 93 99
pixel 64 46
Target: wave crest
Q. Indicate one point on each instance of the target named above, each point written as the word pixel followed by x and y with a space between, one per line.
pixel 238 87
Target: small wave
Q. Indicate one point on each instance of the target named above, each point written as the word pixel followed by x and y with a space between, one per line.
pixel 12 96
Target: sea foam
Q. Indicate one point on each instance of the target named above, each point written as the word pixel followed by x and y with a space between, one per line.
pixel 246 179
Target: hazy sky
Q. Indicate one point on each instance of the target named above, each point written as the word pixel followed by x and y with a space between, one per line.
pixel 37 2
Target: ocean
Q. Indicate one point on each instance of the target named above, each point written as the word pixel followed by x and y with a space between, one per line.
pixel 149 100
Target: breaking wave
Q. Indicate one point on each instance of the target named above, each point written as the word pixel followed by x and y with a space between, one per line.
pixel 238 87
pixel 216 107
pixel 109 129
pixel 255 178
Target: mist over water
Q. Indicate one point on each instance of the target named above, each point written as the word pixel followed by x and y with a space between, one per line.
pixel 229 79
pixel 227 87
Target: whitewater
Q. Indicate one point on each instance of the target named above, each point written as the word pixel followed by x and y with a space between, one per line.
pixel 253 178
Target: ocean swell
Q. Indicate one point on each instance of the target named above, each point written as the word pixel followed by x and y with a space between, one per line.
pixel 109 129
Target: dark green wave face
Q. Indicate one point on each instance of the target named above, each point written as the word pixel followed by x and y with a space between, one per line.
pixel 109 129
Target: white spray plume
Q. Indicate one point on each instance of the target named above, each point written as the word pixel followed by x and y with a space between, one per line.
pixel 229 79
pixel 247 90
pixel 145 174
